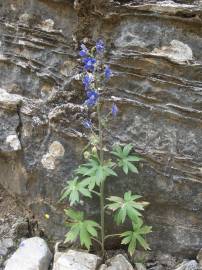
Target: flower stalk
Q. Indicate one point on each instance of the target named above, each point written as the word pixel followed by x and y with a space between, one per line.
pixel 101 157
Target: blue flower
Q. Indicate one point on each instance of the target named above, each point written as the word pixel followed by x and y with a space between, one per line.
pixel 87 123
pixel 92 98
pixel 87 81
pixel 84 51
pixel 89 63
pixel 100 46
pixel 114 110
pixel 108 72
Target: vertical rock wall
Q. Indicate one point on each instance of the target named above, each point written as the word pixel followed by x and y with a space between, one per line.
pixel 154 49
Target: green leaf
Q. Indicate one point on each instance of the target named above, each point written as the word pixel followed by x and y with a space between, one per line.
pixel 80 228
pixel 124 159
pixel 127 149
pixel 126 240
pixel 72 235
pixel 95 172
pixel 125 167
pixel 85 236
pixel 133 158
pixel 132 168
pixel 121 216
pixel 91 225
pixel 85 192
pixel 131 238
pixel 74 215
pixel 142 242
pixel 126 207
pixel 73 190
pixel 132 246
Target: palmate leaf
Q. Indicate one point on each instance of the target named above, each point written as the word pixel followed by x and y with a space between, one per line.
pixel 73 190
pixel 95 173
pixel 80 228
pixel 126 207
pixel 131 238
pixel 124 159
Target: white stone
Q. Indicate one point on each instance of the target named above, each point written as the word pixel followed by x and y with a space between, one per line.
pixel 140 266
pixel 177 51
pixel 8 100
pixel 14 142
pixel 103 267
pixel 199 255
pixel 75 260
pixel 56 149
pixel 33 254
pixel 48 161
pixel 47 25
pixel 119 262
pixel 188 265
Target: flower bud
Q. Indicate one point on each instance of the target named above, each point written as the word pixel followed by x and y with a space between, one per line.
pixel 94 150
pixel 86 154
pixel 46 216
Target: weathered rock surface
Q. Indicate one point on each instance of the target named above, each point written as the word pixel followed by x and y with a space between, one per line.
pixel 188 265
pixel 75 260
pixel 140 266
pixel 33 254
pixel 199 257
pixel 155 53
pixel 119 262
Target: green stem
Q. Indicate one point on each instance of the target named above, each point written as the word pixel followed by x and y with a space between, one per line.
pixel 97 241
pixel 102 212
pixel 97 193
pixel 112 235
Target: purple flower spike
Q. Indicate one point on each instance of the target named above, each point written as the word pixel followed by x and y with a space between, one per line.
pixel 100 46
pixel 89 63
pixel 87 81
pixel 87 123
pixel 92 98
pixel 114 110
pixel 84 51
pixel 108 72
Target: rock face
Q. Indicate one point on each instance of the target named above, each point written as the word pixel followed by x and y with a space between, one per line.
pixel 154 49
pixel 33 254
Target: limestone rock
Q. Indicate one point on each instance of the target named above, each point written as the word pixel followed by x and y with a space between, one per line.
pixel 32 254
pixel 199 257
pixel 140 266
pixel 14 142
pixel 119 262
pixel 9 101
pixel 177 51
pixel 75 260
pixel 188 265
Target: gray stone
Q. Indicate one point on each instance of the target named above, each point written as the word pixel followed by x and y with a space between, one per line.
pixel 188 265
pixel 140 266
pixel 199 257
pixel 75 260
pixel 7 243
pixel 119 262
pixel 3 250
pixel 103 267
pixel 177 51
pixel 9 101
pixel 32 254
pixel 167 260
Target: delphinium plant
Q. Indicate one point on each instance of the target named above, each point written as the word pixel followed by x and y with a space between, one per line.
pixel 89 179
